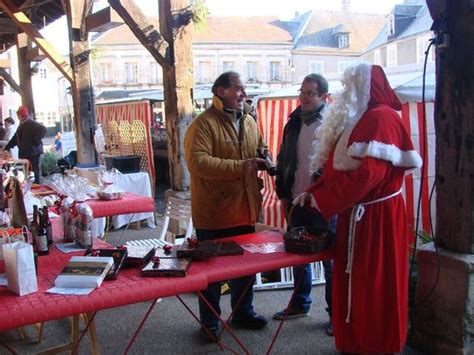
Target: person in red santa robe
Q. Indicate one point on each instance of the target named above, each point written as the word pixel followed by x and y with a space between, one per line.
pixel 364 152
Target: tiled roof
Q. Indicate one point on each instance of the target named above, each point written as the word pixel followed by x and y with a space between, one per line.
pixel 419 23
pixel 323 25
pixel 218 30
pixel 120 35
pixel 243 30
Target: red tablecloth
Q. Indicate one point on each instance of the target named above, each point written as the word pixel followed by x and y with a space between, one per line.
pixel 229 267
pixel 130 203
pixel 131 288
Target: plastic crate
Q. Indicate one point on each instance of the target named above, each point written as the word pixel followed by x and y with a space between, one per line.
pixel 126 164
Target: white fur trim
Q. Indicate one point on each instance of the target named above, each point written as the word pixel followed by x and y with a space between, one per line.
pixel 388 152
pixel 342 160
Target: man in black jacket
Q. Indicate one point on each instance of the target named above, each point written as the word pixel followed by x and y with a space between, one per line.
pixel 293 178
pixel 28 138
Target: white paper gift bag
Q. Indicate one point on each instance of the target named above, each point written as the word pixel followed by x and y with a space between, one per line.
pixel 20 268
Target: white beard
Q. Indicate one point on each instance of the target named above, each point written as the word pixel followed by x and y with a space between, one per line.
pixel 340 118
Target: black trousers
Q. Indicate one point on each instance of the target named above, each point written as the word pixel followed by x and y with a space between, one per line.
pixel 35 167
pixel 237 286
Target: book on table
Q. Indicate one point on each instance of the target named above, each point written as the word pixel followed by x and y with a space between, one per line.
pixel 139 255
pixel 119 255
pixel 162 267
pixel 84 272
pixel 205 249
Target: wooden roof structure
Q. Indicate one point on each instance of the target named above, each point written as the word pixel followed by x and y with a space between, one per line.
pixel 39 12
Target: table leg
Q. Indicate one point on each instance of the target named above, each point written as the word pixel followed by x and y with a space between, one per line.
pixel 126 228
pixel 298 282
pixel 76 337
pixel 224 323
pixel 140 326
pixel 89 318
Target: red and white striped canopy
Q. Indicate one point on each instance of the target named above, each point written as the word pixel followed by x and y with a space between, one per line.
pixel 274 113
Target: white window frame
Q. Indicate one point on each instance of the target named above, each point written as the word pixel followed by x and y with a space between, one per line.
pixel 43 73
pixel 131 72
pixel 343 40
pixel 377 59
pixel 228 65
pixel 315 66
pixel 391 25
pixel 153 74
pixel 105 72
pixel 251 67
pixel 392 55
pixel 422 43
pixel 275 71
pixel 204 72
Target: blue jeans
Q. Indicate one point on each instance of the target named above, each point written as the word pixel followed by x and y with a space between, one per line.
pixel 301 216
pixel 213 292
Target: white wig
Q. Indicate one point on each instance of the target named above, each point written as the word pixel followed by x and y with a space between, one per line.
pixel 343 113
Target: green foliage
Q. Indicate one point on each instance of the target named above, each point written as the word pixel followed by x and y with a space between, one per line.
pixel 200 12
pixel 49 163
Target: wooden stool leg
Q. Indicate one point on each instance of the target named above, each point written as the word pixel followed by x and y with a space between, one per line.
pixel 39 329
pixel 75 332
pixel 92 334
pixel 22 333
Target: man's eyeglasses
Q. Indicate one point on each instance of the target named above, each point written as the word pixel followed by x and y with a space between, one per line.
pixel 309 93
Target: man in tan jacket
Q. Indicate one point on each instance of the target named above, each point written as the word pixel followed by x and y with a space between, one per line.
pixel 221 152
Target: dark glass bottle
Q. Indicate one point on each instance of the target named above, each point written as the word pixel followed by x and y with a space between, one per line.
pixel 34 224
pixel 47 225
pixel 41 238
pixel 269 165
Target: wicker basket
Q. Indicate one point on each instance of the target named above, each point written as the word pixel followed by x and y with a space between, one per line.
pixel 307 239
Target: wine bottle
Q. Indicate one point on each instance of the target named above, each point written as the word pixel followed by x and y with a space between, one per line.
pixel 34 225
pixel 47 225
pixel 269 165
pixel 41 238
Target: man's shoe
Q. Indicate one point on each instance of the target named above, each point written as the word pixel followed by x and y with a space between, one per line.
pixel 213 334
pixel 252 322
pixel 329 330
pixel 290 314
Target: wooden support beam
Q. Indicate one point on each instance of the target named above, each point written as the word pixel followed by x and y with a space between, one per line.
pixel 82 90
pixel 7 26
pixel 24 23
pixel 24 73
pixel 145 32
pixel 8 78
pixel 5 63
pixel 36 55
pixel 103 20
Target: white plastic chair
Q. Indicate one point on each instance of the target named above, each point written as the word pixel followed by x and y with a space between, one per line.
pixel 177 211
pixel 180 211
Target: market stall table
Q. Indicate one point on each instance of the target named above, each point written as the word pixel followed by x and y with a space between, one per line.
pixel 130 288
pixel 130 204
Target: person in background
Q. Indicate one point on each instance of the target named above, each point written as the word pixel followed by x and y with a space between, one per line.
pixel 365 151
pixel 293 178
pixel 57 142
pixel 221 153
pixel 28 137
pixel 10 129
pixel 2 131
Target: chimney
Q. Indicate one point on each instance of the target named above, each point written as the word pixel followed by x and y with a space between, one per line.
pixel 346 5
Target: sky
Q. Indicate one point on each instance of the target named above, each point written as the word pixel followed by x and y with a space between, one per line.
pixel 284 9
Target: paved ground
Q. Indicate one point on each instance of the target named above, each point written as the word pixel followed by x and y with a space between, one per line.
pixel 171 330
